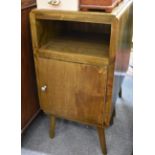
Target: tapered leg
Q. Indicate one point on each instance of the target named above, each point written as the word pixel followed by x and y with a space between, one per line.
pixel 52 126
pixel 120 93
pixel 101 134
pixel 112 117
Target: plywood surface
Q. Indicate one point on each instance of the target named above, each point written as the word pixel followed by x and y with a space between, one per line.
pixel 71 48
pixel 74 91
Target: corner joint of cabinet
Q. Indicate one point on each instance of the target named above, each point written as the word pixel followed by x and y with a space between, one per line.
pixel 32 16
pixel 115 20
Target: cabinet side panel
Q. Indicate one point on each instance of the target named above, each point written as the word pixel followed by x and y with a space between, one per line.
pixel 120 48
pixel 124 49
pixel 124 41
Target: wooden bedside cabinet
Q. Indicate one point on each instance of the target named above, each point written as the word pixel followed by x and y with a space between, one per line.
pixel 80 58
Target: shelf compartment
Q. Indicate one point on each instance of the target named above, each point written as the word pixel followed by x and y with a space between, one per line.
pixel 77 47
pixel 73 41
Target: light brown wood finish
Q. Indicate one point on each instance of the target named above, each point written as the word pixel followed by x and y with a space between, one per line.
pixel 71 41
pixel 79 16
pixel 70 93
pixel 81 45
pixel 74 16
pixel 76 56
pixel 52 126
pixel 120 47
pixel 77 47
pixel 101 134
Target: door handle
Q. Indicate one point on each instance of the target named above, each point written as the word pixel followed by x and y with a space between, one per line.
pixel 43 88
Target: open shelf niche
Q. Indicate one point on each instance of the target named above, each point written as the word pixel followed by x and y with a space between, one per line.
pixel 74 41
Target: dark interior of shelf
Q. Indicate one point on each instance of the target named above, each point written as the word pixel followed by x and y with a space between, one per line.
pixel 74 37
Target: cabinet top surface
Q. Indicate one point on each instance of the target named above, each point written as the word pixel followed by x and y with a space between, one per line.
pixel 81 16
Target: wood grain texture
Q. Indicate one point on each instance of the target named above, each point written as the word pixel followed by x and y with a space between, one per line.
pixel 52 126
pixel 120 37
pixel 25 4
pixel 104 5
pixel 120 47
pixel 76 56
pixel 97 2
pixel 78 16
pixel 77 48
pixel 94 45
pixel 71 41
pixel 29 96
pixel 70 93
pixel 101 135
pixel 124 40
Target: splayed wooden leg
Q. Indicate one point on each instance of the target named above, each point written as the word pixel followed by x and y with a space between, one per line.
pixel 101 134
pixel 120 93
pixel 52 126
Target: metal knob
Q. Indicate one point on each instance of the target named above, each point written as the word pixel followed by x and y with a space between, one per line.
pixel 43 88
pixel 54 2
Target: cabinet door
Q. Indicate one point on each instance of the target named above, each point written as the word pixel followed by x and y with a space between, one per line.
pixel 71 90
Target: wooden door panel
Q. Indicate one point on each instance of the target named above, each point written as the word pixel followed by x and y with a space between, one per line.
pixel 74 91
